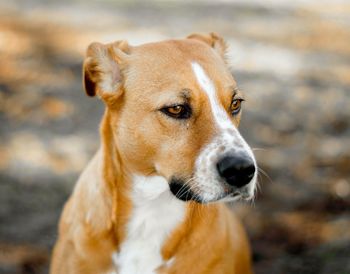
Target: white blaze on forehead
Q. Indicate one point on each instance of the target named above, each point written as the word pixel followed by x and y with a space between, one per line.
pixel 227 140
pixel 220 115
pixel 208 87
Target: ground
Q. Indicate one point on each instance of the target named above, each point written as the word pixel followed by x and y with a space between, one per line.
pixel 291 58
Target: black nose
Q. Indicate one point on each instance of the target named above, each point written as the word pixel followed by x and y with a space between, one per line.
pixel 236 170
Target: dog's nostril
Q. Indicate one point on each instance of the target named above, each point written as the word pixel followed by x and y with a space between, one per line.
pixel 236 170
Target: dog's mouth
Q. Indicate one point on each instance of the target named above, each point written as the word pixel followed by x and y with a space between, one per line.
pixel 242 193
pixel 185 192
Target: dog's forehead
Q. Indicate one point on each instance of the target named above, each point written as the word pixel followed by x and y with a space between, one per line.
pixel 168 66
pixel 175 50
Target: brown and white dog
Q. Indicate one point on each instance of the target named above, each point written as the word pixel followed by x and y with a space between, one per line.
pixel 148 200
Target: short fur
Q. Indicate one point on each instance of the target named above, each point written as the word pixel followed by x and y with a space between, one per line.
pixel 142 149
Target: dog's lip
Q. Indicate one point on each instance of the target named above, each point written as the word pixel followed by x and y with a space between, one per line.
pixel 239 194
pixel 234 194
pixel 230 195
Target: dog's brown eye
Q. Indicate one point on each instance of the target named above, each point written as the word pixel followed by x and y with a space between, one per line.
pixel 177 111
pixel 236 106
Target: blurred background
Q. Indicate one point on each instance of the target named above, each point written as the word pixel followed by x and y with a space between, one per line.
pixel 292 59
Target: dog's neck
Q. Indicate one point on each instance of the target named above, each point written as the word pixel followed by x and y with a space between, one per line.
pixel 156 213
pixel 115 180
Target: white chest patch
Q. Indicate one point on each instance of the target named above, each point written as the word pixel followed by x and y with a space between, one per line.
pixel 155 215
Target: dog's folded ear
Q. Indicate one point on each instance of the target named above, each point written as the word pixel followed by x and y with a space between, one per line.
pixel 213 40
pixel 102 68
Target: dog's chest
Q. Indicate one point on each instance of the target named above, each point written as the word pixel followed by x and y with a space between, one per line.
pixel 155 215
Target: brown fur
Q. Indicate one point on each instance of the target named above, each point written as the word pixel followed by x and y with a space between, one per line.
pixel 134 137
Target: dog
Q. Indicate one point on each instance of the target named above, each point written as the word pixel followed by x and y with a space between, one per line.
pixel 151 199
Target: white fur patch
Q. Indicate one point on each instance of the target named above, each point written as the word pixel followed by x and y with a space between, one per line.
pixel 220 116
pixel 228 139
pixel 112 272
pixel 156 213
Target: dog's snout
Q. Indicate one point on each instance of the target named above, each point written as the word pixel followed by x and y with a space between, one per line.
pixel 237 170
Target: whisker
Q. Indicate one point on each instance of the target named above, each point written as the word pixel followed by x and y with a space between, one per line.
pixel 184 190
pixel 263 172
pixel 258 148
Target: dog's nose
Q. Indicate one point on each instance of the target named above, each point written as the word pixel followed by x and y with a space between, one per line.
pixel 236 170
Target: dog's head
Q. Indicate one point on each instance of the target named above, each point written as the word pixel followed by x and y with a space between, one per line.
pixel 175 111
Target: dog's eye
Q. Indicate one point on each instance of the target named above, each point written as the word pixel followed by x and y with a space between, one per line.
pixel 236 106
pixel 177 111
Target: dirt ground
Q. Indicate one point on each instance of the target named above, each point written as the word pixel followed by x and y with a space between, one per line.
pixel 292 59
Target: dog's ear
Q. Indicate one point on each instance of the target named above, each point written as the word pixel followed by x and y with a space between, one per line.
pixel 213 40
pixel 102 68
